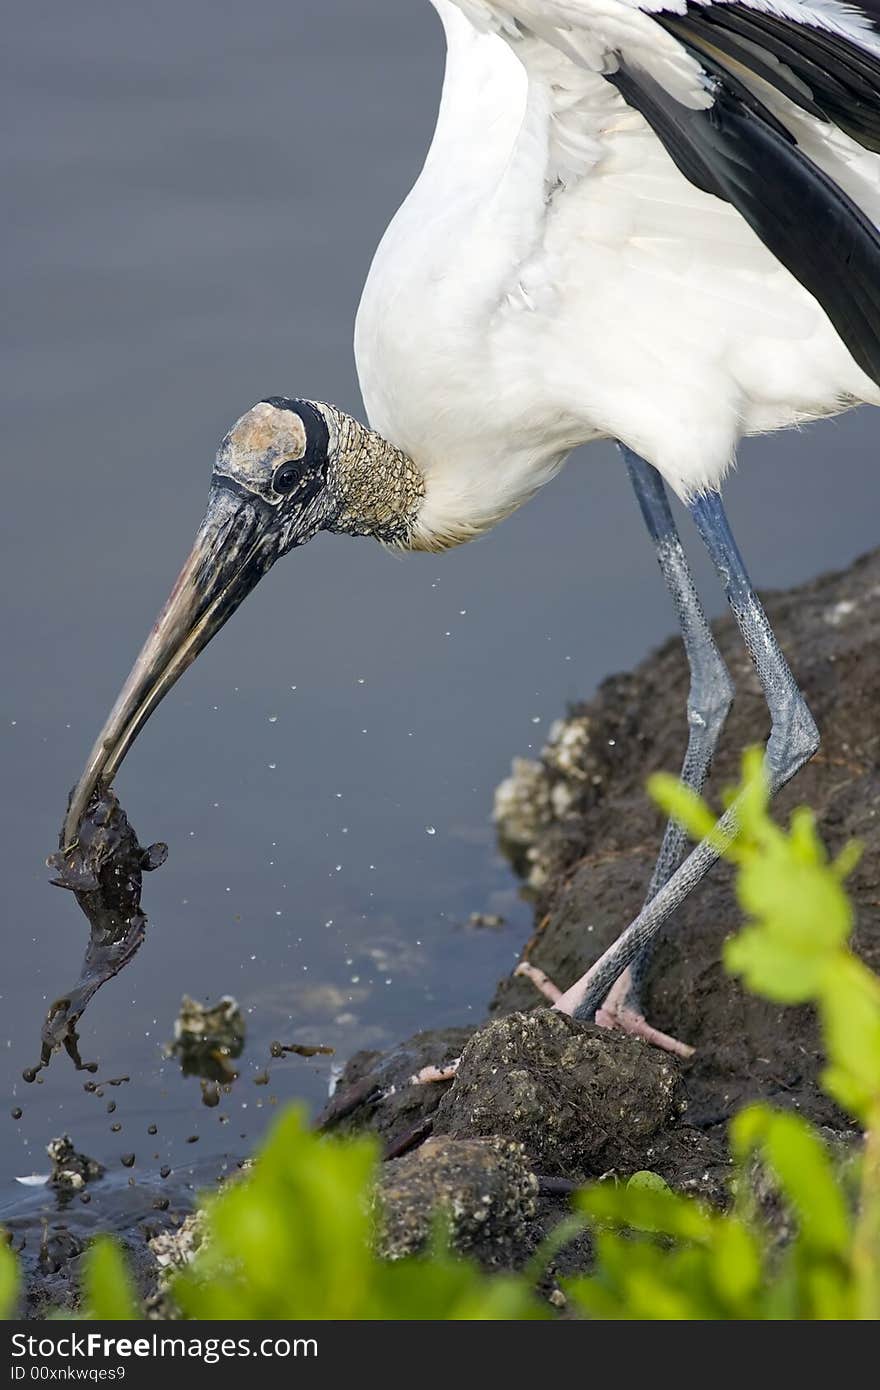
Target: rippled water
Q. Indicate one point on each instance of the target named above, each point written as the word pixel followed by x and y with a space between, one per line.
pixel 195 194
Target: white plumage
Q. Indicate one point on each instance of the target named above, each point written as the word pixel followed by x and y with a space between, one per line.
pixel 553 277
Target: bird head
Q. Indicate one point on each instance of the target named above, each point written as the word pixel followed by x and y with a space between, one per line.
pixel 285 471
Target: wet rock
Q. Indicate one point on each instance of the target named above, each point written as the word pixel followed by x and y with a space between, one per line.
pixel 484 1188
pixel 374 1091
pixel 173 1250
pixel 579 1099
pixel 482 920
pixel 539 793
pixel 208 1037
pixel 58 1248
pixel 71 1170
pixel 522 811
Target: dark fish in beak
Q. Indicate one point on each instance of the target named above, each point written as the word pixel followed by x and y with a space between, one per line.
pixel 104 871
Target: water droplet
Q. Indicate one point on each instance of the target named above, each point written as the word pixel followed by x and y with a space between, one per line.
pixel 430 830
pixel 273 718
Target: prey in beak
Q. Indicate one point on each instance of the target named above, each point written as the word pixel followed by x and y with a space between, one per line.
pixel 269 493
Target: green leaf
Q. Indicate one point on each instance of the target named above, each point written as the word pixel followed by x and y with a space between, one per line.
pixel 735 1265
pixel 850 1008
pixel 803 1168
pixel 645 1180
pixel 644 1207
pixel 682 804
pixel 753 797
pixel 9 1279
pixel 108 1291
pixel 770 967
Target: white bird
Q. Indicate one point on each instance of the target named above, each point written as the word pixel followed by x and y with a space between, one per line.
pixel 653 221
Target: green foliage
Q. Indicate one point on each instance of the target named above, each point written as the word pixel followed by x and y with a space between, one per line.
pixel 108 1292
pixel 8 1279
pixel 659 1255
pixel 292 1238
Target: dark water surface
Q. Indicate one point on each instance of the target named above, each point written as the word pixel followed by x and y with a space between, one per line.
pixel 193 196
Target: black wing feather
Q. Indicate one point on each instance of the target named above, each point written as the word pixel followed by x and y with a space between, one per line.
pixel 697 32
pixel 842 80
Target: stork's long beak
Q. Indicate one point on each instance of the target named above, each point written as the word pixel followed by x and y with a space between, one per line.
pixel 229 556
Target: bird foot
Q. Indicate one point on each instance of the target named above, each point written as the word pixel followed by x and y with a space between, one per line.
pixel 543 984
pixel 430 1075
pixel 633 1022
pixel 618 1011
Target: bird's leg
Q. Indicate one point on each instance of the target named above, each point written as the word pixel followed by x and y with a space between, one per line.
pixel 793 740
pixel 709 699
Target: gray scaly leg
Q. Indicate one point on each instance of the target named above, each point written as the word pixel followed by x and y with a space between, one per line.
pixel 793 740
pixel 709 699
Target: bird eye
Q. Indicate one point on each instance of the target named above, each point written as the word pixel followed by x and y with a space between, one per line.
pixel 288 476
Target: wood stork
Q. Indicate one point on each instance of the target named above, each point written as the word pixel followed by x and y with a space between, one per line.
pixel 653 221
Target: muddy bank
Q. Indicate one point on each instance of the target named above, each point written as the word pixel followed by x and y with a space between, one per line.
pixel 574 1100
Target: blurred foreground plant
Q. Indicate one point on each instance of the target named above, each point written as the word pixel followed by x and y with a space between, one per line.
pixel 292 1238
pixel 8 1280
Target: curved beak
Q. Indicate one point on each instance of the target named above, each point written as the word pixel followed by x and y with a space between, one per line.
pixel 229 556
